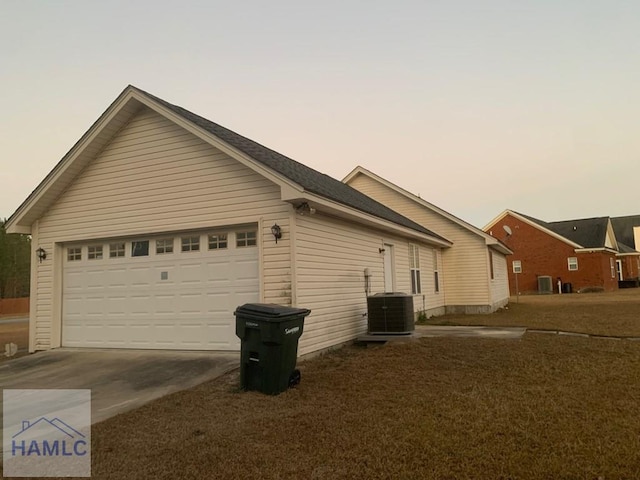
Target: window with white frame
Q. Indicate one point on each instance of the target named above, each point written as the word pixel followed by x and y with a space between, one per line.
pixel 116 250
pixel 613 267
pixel 218 241
pixel 436 272
pixel 74 253
pixel 94 252
pixel 164 245
pixel 246 239
pixel 517 266
pixel 573 263
pixel 190 244
pixel 414 266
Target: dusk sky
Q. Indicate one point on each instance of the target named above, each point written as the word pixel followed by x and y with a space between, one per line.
pixel 477 106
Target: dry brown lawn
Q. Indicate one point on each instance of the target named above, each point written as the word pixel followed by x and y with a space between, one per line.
pixel 543 407
pixel 609 314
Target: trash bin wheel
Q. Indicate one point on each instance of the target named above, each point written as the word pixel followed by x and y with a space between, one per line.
pixel 294 378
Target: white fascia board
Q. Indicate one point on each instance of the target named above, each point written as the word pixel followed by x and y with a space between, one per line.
pixel 630 254
pixel 363 171
pixel 58 170
pixel 597 249
pixel 539 227
pixel 495 220
pixel 343 211
pixel 210 138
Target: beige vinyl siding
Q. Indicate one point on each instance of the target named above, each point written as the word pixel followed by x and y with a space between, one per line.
pixel 155 177
pixel 464 271
pixel 500 282
pixel 331 256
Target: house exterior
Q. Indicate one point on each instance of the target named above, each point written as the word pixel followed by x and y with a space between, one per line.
pixel 158 223
pixel 627 230
pixel 475 276
pixel 583 253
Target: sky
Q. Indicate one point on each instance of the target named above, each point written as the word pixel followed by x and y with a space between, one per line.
pixel 477 106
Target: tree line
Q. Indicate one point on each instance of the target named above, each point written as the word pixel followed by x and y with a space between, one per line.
pixel 15 263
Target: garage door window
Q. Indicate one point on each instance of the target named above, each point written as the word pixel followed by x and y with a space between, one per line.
pixel 95 252
pixel 116 250
pixel 217 242
pixel 246 239
pixel 190 244
pixel 140 249
pixel 74 253
pixel 164 245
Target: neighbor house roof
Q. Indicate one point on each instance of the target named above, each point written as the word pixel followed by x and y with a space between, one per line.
pixel 305 179
pixel 623 226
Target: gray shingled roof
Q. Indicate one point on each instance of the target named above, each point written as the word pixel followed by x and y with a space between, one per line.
pixel 623 227
pixel 308 178
pixel 586 232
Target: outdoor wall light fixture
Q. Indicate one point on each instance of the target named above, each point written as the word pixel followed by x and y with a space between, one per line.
pixel 41 254
pixel 277 231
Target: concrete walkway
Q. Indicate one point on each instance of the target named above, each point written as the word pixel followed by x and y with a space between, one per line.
pixel 120 380
pixel 465 331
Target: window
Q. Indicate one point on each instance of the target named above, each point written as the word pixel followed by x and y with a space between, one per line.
pixel 217 241
pixel 436 273
pixel 573 263
pixel 246 239
pixel 517 266
pixel 491 263
pixel 613 267
pixel 74 253
pixel 164 245
pixel 95 252
pixel 190 244
pixel 116 250
pixel 140 249
pixel 414 266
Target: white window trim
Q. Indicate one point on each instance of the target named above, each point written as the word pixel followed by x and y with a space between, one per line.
pixel 570 264
pixel 414 269
pixel 516 266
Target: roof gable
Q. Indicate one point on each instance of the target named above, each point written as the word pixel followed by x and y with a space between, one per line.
pixel 277 167
pixel 624 229
pixel 491 241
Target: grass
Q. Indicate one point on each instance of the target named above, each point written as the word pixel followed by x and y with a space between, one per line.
pixel 543 407
pixel 609 314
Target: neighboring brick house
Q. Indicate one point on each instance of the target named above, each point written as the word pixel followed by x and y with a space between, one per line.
pixel 627 230
pixel 584 253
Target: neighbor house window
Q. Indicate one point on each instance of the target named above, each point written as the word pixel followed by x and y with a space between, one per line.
pixel 517 266
pixel 74 253
pixel 246 239
pixel 491 263
pixel 573 263
pixel 436 272
pixel 140 249
pixel 190 244
pixel 116 250
pixel 164 245
pixel 217 241
pixel 94 252
pixel 613 267
pixel 414 266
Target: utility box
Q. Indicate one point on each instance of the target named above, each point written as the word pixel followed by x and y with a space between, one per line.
pixel 269 335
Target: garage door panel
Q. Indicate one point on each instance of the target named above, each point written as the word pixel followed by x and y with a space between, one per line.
pixel 180 300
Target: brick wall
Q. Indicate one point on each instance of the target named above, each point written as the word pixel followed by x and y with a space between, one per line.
pixel 543 254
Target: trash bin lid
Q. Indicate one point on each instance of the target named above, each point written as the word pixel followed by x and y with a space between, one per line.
pixel 270 310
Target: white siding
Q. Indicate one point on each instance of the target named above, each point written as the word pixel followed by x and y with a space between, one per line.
pixel 155 177
pixel 330 260
pixel 500 282
pixel 464 272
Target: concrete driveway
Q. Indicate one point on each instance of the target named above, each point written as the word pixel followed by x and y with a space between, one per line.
pixel 119 380
pixel 464 331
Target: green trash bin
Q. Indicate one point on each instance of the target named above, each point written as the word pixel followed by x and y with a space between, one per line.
pixel 269 336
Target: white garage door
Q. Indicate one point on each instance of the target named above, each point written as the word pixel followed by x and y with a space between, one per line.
pixel 170 292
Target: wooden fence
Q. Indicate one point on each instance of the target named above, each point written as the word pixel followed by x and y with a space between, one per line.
pixel 14 306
